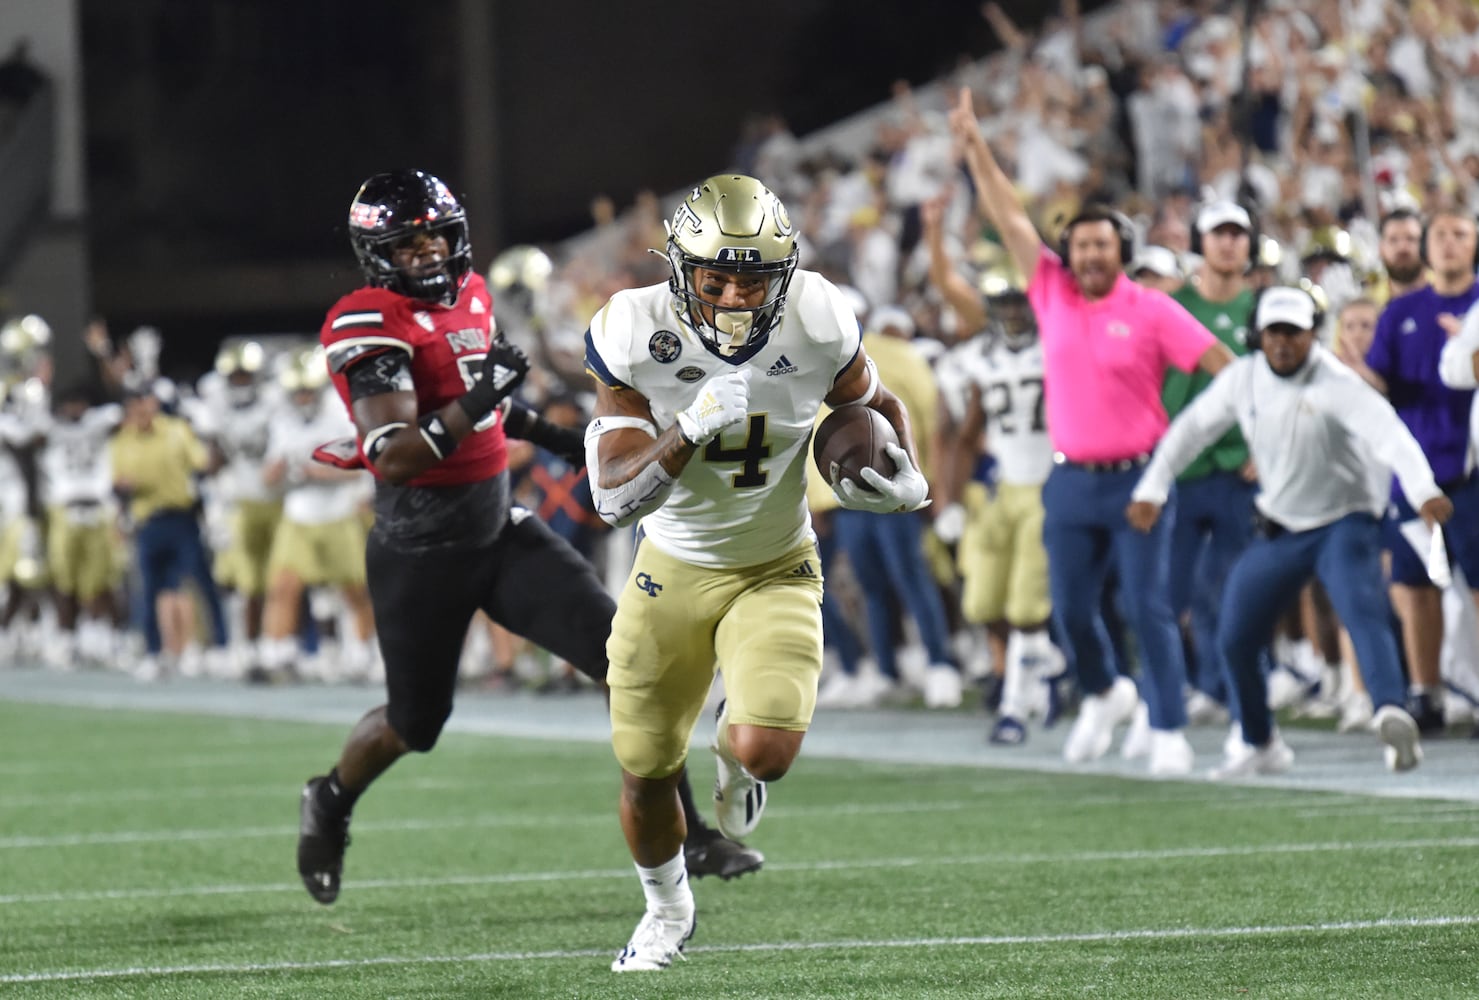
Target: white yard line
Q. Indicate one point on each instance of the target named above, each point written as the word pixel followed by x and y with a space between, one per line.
pixel 870 864
pixel 983 941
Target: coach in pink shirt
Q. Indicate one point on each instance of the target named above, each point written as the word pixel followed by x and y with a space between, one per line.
pixel 1106 345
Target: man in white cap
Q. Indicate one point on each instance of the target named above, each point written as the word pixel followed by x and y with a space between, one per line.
pixel 1214 504
pixel 1323 441
pixel 1157 267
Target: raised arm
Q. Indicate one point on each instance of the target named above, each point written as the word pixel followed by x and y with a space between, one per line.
pixel 950 283
pixel 996 196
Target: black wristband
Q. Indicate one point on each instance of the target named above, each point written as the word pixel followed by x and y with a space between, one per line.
pixel 568 442
pixel 436 435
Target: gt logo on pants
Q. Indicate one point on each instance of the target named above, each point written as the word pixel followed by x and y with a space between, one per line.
pixel 646 583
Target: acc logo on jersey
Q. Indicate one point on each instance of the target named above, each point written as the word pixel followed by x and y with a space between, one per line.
pixel 424 320
pixel 664 346
pixel 690 373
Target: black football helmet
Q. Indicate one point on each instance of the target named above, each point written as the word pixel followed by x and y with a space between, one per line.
pixel 392 208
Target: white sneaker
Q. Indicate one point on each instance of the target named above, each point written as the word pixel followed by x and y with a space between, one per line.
pixel 654 944
pixel 942 686
pixel 1398 731
pixel 1171 754
pixel 739 797
pixel 1093 730
pixel 1274 757
pixel 1285 688
pixel 1204 710
pixel 838 691
pixel 1137 740
pixel 1355 712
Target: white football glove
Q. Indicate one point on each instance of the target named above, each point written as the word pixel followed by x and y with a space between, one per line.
pixel 907 490
pixel 723 402
pixel 950 523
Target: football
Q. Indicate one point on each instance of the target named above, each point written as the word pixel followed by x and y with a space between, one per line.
pixel 850 439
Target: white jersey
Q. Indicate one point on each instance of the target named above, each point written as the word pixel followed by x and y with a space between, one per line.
pixel 293 439
pixel 240 432
pixel 742 500
pixel 953 374
pixel 1011 384
pixel 73 461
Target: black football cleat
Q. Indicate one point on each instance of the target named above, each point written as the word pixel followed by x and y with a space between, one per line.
pixel 1427 712
pixel 709 852
pixel 322 841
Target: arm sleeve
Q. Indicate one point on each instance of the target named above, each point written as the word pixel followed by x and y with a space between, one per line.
pixel 388 369
pixel 1456 363
pixel 1197 427
pixel 1369 417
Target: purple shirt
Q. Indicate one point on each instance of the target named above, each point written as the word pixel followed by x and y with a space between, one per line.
pixel 1405 352
pixel 1104 361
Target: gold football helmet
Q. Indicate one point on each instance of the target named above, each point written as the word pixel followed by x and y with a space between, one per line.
pixel 306 370
pixel 242 357
pixel 734 224
pixel 1009 316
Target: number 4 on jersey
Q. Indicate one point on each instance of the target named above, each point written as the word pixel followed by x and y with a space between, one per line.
pixel 750 454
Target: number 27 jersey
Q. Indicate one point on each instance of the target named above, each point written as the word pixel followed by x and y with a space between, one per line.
pixel 741 500
pixel 1011 384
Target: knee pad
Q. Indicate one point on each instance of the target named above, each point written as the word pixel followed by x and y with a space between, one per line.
pixel 418 732
pixel 646 755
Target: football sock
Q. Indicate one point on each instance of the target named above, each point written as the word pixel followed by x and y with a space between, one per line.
pixel 333 798
pixel 666 887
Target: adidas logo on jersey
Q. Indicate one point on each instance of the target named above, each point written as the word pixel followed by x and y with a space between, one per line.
pixel 782 366
pixel 805 570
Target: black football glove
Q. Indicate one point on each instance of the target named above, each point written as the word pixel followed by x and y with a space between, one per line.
pixel 504 368
pixel 567 442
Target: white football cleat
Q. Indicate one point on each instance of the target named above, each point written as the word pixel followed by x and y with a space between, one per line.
pixel 739 797
pixel 1137 737
pixel 654 944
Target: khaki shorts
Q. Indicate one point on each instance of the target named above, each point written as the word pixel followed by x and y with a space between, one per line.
pixel 81 553
pixel 331 554
pixel 1002 559
pixel 761 625
pixel 243 566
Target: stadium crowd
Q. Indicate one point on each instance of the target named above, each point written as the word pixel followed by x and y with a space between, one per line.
pixel 1324 145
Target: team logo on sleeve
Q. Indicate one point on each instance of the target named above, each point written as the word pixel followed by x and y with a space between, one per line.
pixel 664 346
pixel 690 373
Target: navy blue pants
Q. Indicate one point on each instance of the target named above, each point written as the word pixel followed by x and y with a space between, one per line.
pixel 1085 528
pixel 886 552
pixel 169 550
pixel 1346 556
pixel 837 632
pixel 1214 524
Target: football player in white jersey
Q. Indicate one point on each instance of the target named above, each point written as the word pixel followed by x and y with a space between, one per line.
pixel 321 538
pixel 706 389
pixel 235 408
pixel 1002 559
pixel 76 483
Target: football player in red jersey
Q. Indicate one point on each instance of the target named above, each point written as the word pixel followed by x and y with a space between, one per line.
pixel 416 357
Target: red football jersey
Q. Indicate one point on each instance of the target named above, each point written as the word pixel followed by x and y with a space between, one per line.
pixel 446 344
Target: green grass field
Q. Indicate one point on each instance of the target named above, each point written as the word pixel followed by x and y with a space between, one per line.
pixel 151 855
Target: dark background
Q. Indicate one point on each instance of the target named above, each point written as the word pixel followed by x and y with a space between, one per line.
pixel 225 138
